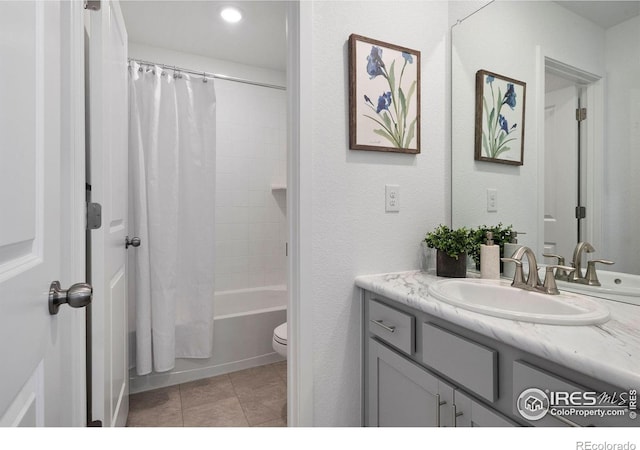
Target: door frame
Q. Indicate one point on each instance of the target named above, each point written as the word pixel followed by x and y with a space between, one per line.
pixel 73 202
pixel 299 214
pixel 106 240
pixel 593 147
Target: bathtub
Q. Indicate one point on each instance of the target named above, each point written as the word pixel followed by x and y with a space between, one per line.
pixel 230 304
pixel 242 332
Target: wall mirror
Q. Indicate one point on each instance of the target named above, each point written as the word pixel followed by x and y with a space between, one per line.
pixel 580 177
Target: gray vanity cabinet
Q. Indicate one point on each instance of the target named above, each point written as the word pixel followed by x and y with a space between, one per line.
pixel 403 394
pixel 420 370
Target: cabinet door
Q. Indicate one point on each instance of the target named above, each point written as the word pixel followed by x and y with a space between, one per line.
pixel 401 393
pixel 470 413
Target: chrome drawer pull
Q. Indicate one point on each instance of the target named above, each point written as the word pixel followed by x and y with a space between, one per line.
pixel 456 414
pixel 389 328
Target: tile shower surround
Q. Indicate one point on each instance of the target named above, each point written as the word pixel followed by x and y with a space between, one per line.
pixel 251 156
pixel 251 397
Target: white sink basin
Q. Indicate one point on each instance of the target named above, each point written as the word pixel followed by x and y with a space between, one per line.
pixel 498 298
pixel 621 287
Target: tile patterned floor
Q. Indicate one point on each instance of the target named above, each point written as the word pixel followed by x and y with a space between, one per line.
pixel 251 397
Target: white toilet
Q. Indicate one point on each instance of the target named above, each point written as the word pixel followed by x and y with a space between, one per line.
pixel 279 341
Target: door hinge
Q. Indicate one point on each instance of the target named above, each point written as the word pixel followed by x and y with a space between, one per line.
pixel 94 216
pixel 93 5
pixel 581 114
pixel 581 212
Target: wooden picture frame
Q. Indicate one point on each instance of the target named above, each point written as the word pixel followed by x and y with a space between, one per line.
pixel 499 127
pixel 384 96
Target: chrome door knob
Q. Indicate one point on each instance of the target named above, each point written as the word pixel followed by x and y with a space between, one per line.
pixel 133 242
pixel 76 296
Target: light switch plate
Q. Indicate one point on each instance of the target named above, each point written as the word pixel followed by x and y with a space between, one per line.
pixel 392 198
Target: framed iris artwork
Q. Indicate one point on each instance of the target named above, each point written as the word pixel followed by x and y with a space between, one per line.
pixel 500 103
pixel 384 96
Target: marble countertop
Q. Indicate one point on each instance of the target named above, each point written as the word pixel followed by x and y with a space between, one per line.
pixel 608 352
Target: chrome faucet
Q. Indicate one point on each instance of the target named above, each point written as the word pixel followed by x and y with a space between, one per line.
pixel 532 277
pixel 533 281
pixel 576 275
pixel 590 278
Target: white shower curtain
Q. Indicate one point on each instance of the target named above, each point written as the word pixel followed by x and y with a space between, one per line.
pixel 172 174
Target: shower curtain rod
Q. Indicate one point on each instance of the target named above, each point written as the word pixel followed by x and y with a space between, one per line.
pixel 210 75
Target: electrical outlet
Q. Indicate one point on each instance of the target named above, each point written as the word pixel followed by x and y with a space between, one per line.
pixel 392 198
pixel 492 200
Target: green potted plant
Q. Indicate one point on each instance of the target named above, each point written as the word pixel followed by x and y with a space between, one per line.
pixel 501 235
pixel 452 246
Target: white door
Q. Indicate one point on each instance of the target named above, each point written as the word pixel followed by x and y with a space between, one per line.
pixel 41 213
pixel 108 98
pixel 560 172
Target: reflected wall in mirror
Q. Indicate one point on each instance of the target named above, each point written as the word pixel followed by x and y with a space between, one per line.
pixel 573 56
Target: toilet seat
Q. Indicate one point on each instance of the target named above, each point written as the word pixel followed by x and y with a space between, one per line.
pixel 280 334
pixel 279 341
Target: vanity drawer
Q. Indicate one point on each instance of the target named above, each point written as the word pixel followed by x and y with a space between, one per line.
pixel 472 365
pixel 392 326
pixel 526 376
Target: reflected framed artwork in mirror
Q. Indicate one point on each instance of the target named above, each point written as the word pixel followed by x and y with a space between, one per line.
pixel 499 128
pixel 384 96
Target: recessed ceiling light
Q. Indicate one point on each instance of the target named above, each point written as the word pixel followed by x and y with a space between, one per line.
pixel 231 15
